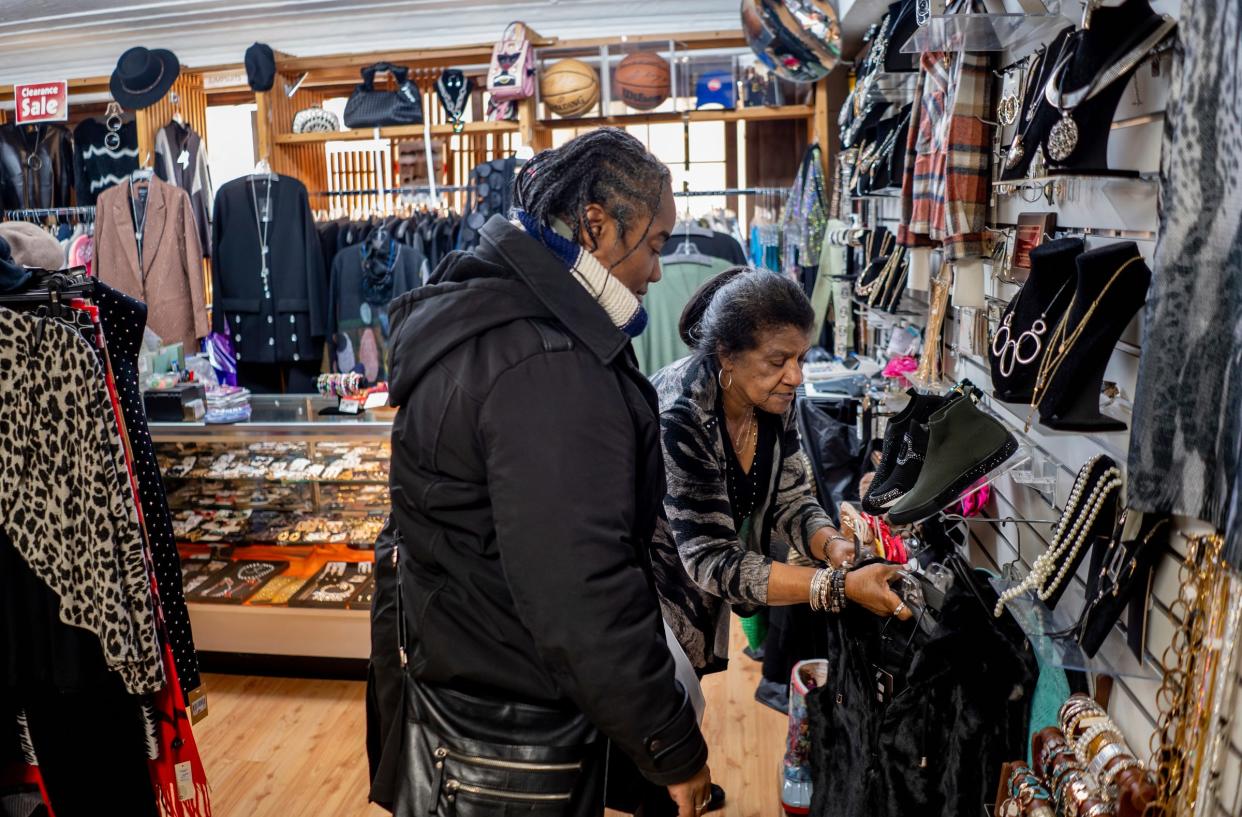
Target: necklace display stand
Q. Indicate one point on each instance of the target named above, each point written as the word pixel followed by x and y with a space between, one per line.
pixel 1111 288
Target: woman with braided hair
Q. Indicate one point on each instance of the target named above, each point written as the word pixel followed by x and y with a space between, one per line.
pixel 518 641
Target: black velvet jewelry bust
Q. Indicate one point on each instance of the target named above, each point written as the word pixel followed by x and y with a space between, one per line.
pixel 1110 289
pixel 1043 298
pixel 1113 33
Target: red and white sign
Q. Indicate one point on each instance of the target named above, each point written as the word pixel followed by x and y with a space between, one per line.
pixel 42 102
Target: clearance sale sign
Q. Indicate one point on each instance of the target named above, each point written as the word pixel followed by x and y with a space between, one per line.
pixel 42 102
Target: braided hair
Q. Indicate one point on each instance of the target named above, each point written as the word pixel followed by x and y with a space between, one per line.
pixel 606 166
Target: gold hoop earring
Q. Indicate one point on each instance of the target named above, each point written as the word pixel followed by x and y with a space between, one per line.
pixel 720 379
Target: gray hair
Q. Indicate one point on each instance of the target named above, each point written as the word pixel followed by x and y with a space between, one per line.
pixel 728 313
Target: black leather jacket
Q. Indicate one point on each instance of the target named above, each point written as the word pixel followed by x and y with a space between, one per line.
pixel 526 482
pixel 36 166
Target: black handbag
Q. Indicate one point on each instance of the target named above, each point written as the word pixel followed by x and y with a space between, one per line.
pixel 369 108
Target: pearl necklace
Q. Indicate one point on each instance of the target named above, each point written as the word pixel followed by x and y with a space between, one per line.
pixel 1069 536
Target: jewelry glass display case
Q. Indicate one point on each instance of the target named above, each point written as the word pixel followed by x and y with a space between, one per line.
pixel 275 520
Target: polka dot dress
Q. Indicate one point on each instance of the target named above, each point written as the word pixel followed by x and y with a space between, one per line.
pixel 123 320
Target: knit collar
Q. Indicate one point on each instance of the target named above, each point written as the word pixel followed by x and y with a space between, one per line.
pixel 623 307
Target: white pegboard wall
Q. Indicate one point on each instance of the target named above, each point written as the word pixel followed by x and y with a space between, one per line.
pixel 1103 211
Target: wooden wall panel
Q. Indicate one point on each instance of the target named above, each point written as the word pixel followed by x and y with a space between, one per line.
pixel 186 97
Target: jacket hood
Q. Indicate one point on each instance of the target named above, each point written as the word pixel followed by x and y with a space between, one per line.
pixel 509 277
pixel 473 297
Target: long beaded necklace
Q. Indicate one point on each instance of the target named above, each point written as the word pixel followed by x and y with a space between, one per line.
pixel 263 225
pixel 1069 536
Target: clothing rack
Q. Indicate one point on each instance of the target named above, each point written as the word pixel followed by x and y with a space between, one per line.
pixel 40 212
pixel 737 191
pixel 399 191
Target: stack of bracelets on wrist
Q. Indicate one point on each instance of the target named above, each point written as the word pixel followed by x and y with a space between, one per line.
pixel 828 590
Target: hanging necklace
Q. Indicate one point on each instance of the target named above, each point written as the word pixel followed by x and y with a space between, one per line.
pixel 1065 344
pixel 1063 138
pixel 1010 348
pixel 139 223
pixel 1030 94
pixel 262 226
pixel 454 98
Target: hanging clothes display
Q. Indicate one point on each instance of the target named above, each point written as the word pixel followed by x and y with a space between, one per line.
pixel 36 166
pixel 683 273
pixel 365 278
pixel 181 160
pixel 102 157
pixel 146 245
pixel 1186 418
pixel 947 181
pixel 91 685
pixel 269 281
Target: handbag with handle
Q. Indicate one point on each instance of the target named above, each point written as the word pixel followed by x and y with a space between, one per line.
pixel 371 108
pixel 512 73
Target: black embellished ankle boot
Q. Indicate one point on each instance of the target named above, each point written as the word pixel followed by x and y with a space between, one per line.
pixel 1110 289
pixel 894 433
pixel 907 453
pixel 1019 343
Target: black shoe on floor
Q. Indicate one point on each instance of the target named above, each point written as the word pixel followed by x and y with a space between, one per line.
pixel 718 799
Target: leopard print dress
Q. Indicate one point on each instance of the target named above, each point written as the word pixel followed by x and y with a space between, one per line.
pixel 1186 445
pixel 65 496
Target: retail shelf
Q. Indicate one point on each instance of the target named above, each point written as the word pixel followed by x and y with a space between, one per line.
pixel 1050 634
pixel 754 114
pixel 277 481
pixel 983 32
pixel 301 631
pixel 393 132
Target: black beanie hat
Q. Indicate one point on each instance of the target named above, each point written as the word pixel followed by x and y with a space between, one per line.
pixel 260 67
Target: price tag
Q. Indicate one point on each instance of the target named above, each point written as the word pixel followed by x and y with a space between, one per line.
pixel 350 405
pixel 376 399
pixel 185 781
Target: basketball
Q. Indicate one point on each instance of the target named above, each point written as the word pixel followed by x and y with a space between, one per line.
pixel 642 80
pixel 569 88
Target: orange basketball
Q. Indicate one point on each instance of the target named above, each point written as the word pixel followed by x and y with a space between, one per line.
pixel 569 88
pixel 642 80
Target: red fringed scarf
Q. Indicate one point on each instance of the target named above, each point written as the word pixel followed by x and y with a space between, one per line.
pixel 178 776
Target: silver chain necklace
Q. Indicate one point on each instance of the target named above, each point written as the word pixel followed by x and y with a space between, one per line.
pixel 139 224
pixel 1063 138
pixel 263 226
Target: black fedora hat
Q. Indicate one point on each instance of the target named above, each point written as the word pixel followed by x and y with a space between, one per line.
pixel 143 76
pixel 260 67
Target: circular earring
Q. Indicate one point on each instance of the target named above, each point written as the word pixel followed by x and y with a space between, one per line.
pixel 720 379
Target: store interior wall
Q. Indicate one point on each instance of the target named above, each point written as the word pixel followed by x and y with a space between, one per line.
pixel 1125 210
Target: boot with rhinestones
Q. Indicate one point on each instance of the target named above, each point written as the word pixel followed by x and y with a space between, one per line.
pixel 918 409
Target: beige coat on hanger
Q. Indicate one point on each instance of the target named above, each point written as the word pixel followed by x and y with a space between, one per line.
pixel 171 278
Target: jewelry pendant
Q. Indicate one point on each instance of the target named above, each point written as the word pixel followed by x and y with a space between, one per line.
pixel 1037 329
pixel 1063 139
pixel 1016 153
pixel 998 346
pixel 1007 110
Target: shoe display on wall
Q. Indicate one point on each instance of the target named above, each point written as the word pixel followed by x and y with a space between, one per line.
pixel 965 445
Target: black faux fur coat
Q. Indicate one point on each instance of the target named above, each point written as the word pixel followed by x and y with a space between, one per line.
pixel 937 748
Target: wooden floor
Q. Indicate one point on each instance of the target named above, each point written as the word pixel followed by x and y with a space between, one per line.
pixel 288 747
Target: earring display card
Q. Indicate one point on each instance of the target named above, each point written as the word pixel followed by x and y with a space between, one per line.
pixel 336 585
pixel 237 583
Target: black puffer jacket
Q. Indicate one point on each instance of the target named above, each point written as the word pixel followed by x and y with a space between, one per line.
pixel 526 483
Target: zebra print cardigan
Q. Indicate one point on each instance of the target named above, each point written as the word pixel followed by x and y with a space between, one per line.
pixel 702 565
